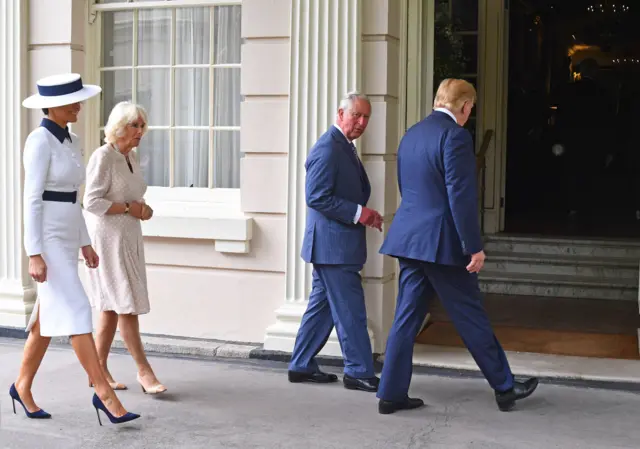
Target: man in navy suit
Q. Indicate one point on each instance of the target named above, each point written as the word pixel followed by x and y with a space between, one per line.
pixel 337 190
pixel 436 237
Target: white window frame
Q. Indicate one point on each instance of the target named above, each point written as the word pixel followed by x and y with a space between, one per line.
pixel 213 196
pixel 212 214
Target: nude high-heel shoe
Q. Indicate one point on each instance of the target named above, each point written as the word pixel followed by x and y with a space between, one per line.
pixel 116 386
pixel 156 389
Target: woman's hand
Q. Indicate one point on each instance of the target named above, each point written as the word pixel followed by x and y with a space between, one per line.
pixel 147 212
pixel 136 210
pixel 91 259
pixel 37 268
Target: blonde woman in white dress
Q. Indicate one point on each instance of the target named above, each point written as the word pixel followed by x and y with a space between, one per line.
pixel 114 196
pixel 54 234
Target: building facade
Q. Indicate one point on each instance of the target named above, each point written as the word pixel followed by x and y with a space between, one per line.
pixel 236 92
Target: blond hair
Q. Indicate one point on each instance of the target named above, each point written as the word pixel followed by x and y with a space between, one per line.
pixel 123 113
pixel 453 94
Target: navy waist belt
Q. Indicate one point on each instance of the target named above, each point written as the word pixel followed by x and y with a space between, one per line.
pixel 61 197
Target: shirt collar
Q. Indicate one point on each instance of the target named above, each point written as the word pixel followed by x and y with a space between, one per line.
pixel 448 112
pixel 342 132
pixel 55 129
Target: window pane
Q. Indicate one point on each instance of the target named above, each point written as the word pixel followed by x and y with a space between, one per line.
pixel 227 38
pixel 226 159
pixel 470 52
pixel 226 97
pixel 193 35
pixel 116 87
pixel 192 97
pixel 191 158
pixel 117 39
pixel 153 93
pixel 154 157
pixel 154 37
pixel 465 14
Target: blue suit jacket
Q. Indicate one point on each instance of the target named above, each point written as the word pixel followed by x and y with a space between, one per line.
pixel 335 184
pixel 438 217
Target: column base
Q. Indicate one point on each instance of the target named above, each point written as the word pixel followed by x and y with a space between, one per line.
pixel 16 304
pixel 281 336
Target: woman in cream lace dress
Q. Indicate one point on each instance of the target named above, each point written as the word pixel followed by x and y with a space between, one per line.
pixel 114 197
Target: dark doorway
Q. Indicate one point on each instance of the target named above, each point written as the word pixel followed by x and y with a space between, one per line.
pixel 573 138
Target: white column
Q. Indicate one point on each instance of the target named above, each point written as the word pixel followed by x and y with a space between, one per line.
pixel 325 64
pixel 17 291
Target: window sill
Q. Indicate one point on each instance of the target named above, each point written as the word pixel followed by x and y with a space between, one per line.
pixel 188 217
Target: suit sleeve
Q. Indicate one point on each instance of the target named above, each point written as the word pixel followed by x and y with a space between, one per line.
pixel 322 170
pixel 461 181
pixel 36 158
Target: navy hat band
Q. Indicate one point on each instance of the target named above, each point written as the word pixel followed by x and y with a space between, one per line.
pixel 61 89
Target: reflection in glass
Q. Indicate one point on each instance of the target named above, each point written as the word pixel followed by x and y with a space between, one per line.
pixel 154 37
pixel 191 158
pixel 191 101
pixel 117 39
pixel 226 159
pixel 465 14
pixel 153 94
pixel 193 35
pixel 154 157
pixel 455 54
pixel 226 97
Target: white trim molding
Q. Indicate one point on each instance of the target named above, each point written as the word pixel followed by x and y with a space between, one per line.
pixel 17 291
pixel 326 42
pixel 184 213
pixel 129 5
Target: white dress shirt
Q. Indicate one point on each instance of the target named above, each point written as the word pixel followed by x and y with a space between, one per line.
pixel 448 112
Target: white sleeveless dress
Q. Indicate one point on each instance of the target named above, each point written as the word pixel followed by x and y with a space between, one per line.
pixel 57 231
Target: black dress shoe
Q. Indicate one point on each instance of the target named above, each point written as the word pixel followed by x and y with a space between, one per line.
pixel 353 383
pixel 507 399
pixel 388 407
pixel 317 377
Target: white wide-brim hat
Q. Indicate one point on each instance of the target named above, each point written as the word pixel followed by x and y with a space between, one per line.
pixel 60 90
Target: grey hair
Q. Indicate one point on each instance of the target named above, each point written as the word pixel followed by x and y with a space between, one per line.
pixel 347 101
pixel 123 113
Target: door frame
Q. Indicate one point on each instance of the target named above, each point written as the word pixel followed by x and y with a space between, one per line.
pixel 493 87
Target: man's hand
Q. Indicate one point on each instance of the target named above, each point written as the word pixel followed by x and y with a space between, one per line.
pixel 371 218
pixel 91 259
pixel 37 268
pixel 477 262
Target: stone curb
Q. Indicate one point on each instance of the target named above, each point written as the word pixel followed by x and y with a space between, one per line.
pixel 208 349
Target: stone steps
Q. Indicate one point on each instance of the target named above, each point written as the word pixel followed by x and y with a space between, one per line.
pixel 560 264
pixel 555 267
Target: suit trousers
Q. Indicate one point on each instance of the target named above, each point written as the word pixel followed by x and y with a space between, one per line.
pixel 337 298
pixel 460 296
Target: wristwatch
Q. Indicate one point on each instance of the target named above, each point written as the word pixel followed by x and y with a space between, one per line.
pixel 126 208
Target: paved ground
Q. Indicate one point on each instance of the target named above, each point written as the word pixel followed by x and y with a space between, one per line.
pixel 226 404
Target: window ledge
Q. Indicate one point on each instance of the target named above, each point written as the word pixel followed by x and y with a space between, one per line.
pixel 224 224
pixel 231 234
pixel 204 214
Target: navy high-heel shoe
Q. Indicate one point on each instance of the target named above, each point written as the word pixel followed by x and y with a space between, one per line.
pixel 99 405
pixel 40 414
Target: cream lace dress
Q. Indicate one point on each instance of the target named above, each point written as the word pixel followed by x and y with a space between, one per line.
pixel 119 284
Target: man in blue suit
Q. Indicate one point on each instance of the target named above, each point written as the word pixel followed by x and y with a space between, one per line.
pixel 337 190
pixel 436 236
